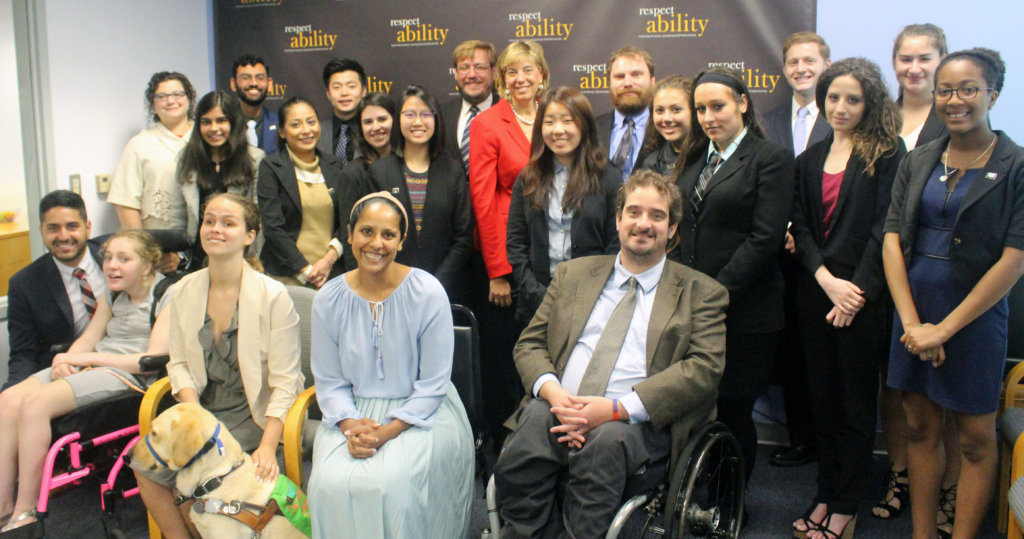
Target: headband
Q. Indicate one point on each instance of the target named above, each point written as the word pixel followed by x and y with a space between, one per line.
pixel 386 196
pixel 719 78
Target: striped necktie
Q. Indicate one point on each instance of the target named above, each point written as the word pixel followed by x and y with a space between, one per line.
pixel 701 188
pixel 87 296
pixel 464 147
pixel 625 149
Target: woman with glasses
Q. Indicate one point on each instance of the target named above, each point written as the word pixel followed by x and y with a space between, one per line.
pixel 144 189
pixel 953 248
pixel 431 186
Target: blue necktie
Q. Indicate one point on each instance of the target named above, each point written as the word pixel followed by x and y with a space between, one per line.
pixel 800 131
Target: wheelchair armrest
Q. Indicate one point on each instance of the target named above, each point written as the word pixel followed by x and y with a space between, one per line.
pixel 151 402
pixel 153 363
pixel 292 436
pixel 1013 379
pixel 60 348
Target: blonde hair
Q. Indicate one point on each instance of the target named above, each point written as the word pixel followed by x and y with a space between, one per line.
pixel 467 49
pixel 145 246
pixel 515 52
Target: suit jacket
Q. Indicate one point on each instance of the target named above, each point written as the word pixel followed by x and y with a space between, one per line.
pixel 853 248
pixel 498 151
pixel 444 244
pixel 281 209
pixel 604 132
pixel 268 341
pixel 778 126
pixel 685 340
pixel 741 229
pixel 592 232
pixel 662 160
pixel 450 111
pixel 328 141
pixel 38 316
pixel 355 182
pixel 932 129
pixel 991 215
pixel 268 131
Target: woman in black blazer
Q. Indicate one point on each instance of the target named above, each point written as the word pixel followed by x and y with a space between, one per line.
pixel 953 248
pixel 432 186
pixel 567 183
pixel 669 125
pixel 843 186
pixel 733 228
pixel 298 197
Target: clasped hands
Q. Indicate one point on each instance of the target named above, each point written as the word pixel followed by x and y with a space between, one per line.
pixel 925 341
pixel 365 436
pixel 65 365
pixel 579 415
pixel 847 298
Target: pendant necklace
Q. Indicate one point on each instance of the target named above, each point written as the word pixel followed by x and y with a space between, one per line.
pixel 946 170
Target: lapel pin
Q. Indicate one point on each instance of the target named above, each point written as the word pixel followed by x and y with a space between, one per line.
pixel 991 176
pixel 394 190
pixel 272 128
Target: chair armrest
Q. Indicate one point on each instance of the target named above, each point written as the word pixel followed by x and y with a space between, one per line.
pixel 151 402
pixel 292 436
pixel 153 363
pixel 1010 387
pixel 1017 464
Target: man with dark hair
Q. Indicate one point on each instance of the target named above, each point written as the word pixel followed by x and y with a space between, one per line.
pixel 250 79
pixel 630 85
pixel 345 81
pixel 473 62
pixel 622 360
pixel 51 301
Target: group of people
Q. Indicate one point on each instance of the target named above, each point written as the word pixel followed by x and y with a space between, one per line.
pixel 713 245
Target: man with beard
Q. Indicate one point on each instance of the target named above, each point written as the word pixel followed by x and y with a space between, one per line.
pixel 630 79
pixel 50 301
pixel 250 78
pixel 622 360
pixel 473 63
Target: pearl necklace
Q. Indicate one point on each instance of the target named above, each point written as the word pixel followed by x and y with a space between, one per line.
pixel 518 117
pixel 947 172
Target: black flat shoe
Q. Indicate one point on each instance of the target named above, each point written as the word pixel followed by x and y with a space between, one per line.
pixel 798 455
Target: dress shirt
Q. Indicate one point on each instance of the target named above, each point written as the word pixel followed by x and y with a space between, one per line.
pixel 93 274
pixel 619 127
pixel 559 222
pixel 729 150
pixel 464 116
pixel 631 365
pixel 812 116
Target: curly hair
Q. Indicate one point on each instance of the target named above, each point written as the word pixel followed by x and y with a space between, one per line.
pixel 145 246
pixel 878 132
pixel 164 76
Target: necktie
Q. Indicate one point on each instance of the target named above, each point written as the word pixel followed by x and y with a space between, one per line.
pixel 701 188
pixel 606 353
pixel 800 131
pixel 87 296
pixel 250 133
pixel 342 150
pixel 464 147
pixel 622 153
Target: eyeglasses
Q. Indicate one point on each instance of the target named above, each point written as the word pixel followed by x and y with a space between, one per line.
pixel 164 97
pixel 411 115
pixel 464 68
pixel 963 92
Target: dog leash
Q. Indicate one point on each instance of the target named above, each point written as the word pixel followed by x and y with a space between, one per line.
pixel 255 517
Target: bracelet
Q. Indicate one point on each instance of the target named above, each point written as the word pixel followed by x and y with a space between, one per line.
pixel 615 409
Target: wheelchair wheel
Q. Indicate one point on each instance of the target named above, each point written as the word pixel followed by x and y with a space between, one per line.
pixel 709 502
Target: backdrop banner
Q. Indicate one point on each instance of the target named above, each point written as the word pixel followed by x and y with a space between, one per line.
pixel 402 42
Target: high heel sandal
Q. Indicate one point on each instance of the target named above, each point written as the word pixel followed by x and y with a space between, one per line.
pixel 846 533
pixel 947 508
pixel 15 522
pixel 811 525
pixel 895 491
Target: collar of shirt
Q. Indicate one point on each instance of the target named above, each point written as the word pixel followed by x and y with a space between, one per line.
pixel 481 106
pixel 88 265
pixel 729 150
pixel 639 124
pixel 647 280
pixel 353 124
pixel 812 110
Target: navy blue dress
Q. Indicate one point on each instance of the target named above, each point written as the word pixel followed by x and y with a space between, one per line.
pixel 969 381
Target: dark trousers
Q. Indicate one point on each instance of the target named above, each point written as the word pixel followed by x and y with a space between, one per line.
pixel 791 364
pixel 748 364
pixel 529 472
pixel 842 367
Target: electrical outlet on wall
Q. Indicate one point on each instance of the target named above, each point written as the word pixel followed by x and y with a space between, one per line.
pixel 76 183
pixel 103 183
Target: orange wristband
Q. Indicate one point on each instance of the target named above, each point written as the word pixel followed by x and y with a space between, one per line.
pixel 615 409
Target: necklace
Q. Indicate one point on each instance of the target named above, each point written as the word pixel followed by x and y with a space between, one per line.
pixel 520 118
pixel 947 171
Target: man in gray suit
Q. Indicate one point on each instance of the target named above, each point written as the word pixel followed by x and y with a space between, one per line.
pixel 622 360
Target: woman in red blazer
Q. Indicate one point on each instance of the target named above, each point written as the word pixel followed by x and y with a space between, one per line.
pixel 499 148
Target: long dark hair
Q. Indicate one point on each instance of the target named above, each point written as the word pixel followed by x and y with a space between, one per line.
pixel 588 164
pixel 436 144
pixel 698 139
pixel 652 137
pixel 236 169
pixel 368 153
pixel 878 132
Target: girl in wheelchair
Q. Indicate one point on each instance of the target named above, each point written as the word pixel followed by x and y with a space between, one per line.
pixel 101 364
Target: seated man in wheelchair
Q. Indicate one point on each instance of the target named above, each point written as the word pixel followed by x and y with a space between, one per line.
pixel 623 359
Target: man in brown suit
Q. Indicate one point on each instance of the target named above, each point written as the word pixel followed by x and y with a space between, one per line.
pixel 659 384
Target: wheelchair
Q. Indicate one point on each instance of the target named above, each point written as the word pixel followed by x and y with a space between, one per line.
pixel 703 499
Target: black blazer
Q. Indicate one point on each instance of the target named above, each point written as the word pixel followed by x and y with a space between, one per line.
pixel 355 182
pixel 932 129
pixel 991 215
pixel 38 316
pixel 592 232
pixel 662 160
pixel 604 132
pixel 444 245
pixel 281 209
pixel 450 111
pixel 778 126
pixel 740 230
pixel 853 248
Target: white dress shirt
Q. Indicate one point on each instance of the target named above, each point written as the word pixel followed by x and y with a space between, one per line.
pixel 812 116
pixel 464 115
pixel 94 275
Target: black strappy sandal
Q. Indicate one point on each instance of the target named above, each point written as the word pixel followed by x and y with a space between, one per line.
pixel 895 491
pixel 947 508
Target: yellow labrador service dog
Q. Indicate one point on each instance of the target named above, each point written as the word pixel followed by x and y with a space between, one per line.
pixel 213 472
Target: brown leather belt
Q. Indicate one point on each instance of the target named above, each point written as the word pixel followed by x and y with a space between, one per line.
pixel 255 517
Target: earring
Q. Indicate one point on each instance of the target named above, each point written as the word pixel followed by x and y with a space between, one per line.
pixel 540 86
pixel 508 92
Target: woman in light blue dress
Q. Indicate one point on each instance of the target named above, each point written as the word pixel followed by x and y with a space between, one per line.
pixel 394 455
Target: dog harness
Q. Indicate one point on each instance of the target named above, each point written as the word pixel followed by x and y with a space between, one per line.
pixel 213 441
pixel 286 500
pixel 207 486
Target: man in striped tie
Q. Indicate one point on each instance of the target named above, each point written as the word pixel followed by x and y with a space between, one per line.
pixel 473 67
pixel 51 301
